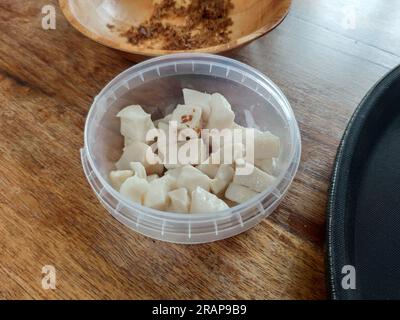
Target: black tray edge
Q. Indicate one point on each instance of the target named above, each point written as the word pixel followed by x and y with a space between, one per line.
pixel 346 147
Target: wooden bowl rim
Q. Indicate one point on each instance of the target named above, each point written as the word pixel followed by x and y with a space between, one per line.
pixel 129 48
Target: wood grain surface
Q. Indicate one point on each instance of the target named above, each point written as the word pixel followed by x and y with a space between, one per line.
pixel 324 62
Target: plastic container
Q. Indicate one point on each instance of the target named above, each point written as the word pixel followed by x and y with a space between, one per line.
pixel 157 85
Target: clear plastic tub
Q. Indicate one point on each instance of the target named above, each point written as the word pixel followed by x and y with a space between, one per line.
pixel 157 85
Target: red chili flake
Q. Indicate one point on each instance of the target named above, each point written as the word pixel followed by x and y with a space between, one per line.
pixel 186 118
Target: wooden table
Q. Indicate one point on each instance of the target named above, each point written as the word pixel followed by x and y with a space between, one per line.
pixel 324 62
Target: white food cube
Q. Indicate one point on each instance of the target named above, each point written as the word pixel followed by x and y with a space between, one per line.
pixel 257 180
pixel 164 127
pixel 199 99
pixel 238 134
pixel 266 145
pixel 193 152
pixel 209 169
pixel 238 193
pixel 179 200
pixel 128 141
pixel 222 179
pixel 219 100
pixel 135 123
pixel 174 172
pixel 266 165
pixel 168 148
pixel 237 126
pixel 190 178
pixel 204 201
pixel 170 167
pixel 167 118
pixel 138 170
pixel 169 154
pixel 228 154
pixel 118 177
pixel 139 152
pixel 135 152
pixel 134 188
pixel 187 116
pixel 157 194
pixel 220 138
pixel 167 128
pixel 156 197
pixel 169 181
pixel 221 115
pixel 152 177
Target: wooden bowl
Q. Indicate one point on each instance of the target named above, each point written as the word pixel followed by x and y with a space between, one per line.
pixel 251 19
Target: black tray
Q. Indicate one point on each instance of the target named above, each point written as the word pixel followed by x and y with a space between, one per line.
pixel 363 224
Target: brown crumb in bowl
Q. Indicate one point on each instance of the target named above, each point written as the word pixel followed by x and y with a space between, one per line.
pixel 192 24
